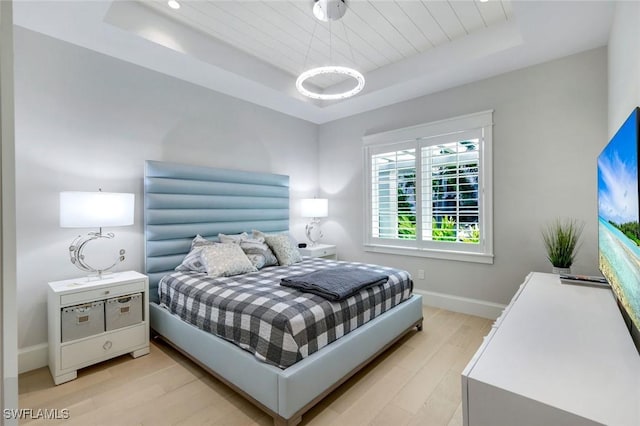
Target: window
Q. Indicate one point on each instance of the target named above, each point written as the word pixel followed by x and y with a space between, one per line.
pixel 428 190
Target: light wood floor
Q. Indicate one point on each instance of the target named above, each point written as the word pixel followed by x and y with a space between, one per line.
pixel 416 382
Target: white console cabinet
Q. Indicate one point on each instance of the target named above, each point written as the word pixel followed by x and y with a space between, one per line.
pixel 558 355
pixel 94 320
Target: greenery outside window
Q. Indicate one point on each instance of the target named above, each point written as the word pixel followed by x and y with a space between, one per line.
pixel 428 190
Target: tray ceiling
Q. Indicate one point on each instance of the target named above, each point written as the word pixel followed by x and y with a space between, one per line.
pixel 371 35
pixel 253 50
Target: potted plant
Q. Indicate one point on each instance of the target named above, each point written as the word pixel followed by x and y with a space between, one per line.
pixel 561 242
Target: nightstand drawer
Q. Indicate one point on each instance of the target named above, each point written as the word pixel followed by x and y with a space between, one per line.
pixel 101 347
pixel 326 252
pixel 321 250
pixel 105 292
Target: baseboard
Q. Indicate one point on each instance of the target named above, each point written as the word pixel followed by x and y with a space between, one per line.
pixel 480 308
pixel 33 357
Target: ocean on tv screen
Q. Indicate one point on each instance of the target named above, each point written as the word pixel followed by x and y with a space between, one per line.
pixel 619 218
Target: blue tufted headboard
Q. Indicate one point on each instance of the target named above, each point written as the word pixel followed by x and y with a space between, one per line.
pixel 181 201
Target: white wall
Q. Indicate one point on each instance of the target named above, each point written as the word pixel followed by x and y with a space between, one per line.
pixel 550 124
pixel 624 63
pixel 9 315
pixel 85 120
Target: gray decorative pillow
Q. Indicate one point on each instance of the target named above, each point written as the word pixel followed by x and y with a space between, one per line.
pixel 284 249
pixel 233 239
pixel 258 235
pixel 200 241
pixel 261 235
pixel 192 262
pixel 225 260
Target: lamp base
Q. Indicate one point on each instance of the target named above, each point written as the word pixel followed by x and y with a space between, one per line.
pixel 100 275
pixel 313 231
pixel 76 254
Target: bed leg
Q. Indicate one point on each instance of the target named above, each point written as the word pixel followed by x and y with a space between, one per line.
pixel 280 421
pixel 419 326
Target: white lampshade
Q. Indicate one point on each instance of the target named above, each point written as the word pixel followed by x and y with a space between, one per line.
pixel 315 207
pixel 96 209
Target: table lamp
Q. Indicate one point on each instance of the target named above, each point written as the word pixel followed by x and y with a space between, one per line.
pixel 94 210
pixel 314 208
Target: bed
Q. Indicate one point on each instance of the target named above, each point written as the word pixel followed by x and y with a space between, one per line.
pixel 182 201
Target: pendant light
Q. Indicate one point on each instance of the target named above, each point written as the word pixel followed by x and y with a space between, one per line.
pixel 328 11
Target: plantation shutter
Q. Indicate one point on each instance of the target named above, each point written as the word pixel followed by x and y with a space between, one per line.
pixel 393 194
pixel 450 182
pixel 428 189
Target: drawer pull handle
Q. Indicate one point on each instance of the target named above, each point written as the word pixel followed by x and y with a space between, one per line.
pixel 106 292
pixel 107 345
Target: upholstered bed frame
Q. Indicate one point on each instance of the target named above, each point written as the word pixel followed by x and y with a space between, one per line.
pixel 182 201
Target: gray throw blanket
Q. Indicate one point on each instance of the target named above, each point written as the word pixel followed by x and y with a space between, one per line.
pixel 335 284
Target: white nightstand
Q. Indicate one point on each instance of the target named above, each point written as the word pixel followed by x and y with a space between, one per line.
pixel 94 320
pixel 326 251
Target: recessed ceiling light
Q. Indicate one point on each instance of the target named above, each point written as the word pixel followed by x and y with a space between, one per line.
pixel 483 1
pixel 173 4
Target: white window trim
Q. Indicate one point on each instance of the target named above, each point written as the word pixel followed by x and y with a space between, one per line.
pixel 380 142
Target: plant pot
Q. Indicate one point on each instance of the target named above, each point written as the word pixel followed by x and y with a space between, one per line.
pixel 559 271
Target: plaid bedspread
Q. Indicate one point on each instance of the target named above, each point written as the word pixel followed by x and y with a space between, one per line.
pixel 279 325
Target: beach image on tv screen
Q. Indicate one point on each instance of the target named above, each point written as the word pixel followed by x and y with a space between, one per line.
pixel 619 221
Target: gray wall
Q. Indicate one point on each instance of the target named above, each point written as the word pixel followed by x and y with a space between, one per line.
pixel 624 63
pixel 550 124
pixel 85 120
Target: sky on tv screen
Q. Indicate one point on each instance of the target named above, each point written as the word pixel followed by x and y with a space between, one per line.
pixel 618 175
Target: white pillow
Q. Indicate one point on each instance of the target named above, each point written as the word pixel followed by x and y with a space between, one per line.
pixel 225 260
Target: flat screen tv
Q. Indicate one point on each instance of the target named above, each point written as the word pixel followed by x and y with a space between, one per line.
pixel 619 220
